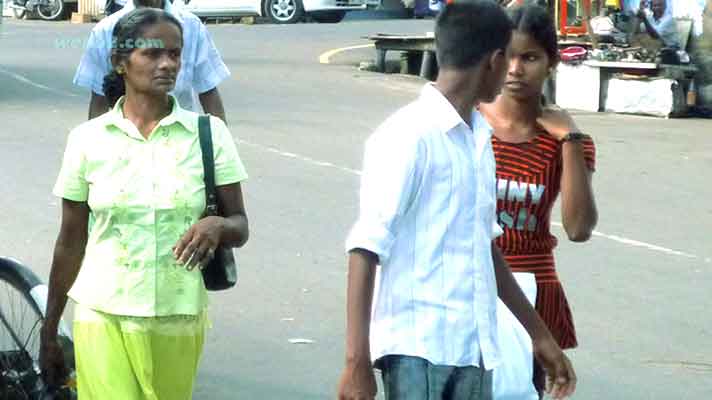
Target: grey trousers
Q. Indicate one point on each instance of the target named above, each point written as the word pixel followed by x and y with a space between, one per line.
pixel 413 378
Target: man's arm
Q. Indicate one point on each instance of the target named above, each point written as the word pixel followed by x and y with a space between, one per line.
pixel 561 380
pixel 642 15
pixel 212 103
pixel 357 380
pixel 97 105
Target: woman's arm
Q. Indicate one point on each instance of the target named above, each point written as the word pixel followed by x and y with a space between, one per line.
pixel 67 260
pixel 578 206
pixel 68 255
pixel 235 230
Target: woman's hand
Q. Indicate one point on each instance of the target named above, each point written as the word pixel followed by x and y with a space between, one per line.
pixel 557 122
pixel 54 371
pixel 198 244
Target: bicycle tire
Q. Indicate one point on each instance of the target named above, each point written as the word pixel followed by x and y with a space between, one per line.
pixel 31 288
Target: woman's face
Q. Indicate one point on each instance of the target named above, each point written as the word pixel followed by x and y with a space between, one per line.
pixel 529 66
pixel 153 66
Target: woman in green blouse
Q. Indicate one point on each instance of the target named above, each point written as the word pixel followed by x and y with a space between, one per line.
pixel 140 315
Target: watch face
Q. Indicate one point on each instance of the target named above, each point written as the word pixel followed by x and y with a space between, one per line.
pixel 574 136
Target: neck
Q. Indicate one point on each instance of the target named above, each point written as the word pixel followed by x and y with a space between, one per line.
pixel 520 111
pixel 461 89
pixel 145 111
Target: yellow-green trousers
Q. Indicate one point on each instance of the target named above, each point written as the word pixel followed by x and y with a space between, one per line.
pixel 136 358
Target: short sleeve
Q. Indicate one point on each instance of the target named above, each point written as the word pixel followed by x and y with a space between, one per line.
pixel 209 68
pixel 71 183
pixel 228 165
pixel 392 173
pixel 94 64
pixel 589 154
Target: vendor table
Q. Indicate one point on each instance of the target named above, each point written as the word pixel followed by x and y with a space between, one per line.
pixel 585 86
pixel 424 43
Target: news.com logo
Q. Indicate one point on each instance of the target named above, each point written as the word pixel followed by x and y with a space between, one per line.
pixel 128 44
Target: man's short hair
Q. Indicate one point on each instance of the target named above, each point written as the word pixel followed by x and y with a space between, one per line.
pixel 467 30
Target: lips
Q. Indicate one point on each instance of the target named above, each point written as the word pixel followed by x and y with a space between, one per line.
pixel 515 85
pixel 165 78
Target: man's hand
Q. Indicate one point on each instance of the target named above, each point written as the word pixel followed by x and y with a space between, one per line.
pixel 560 375
pixel 357 382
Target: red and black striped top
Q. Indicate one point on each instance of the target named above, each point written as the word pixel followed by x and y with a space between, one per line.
pixel 528 183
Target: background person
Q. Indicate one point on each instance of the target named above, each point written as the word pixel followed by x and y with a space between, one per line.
pixel 201 72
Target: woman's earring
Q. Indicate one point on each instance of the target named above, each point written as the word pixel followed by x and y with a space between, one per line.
pixel 120 70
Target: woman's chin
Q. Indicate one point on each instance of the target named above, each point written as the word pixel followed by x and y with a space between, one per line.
pixel 516 94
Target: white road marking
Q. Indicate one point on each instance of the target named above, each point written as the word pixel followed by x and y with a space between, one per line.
pixel 324 58
pixel 306 159
pixel 35 84
pixel 615 238
pixel 637 243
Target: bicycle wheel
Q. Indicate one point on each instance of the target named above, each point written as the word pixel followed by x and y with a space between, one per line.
pixel 22 304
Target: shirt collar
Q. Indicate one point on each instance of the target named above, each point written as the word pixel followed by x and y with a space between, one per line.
pixel 442 110
pixel 115 117
pixel 167 6
pixel 447 117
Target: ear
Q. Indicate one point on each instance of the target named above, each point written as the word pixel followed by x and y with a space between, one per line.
pixel 117 61
pixel 497 61
pixel 552 66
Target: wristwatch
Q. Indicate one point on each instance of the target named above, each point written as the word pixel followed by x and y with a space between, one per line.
pixel 574 137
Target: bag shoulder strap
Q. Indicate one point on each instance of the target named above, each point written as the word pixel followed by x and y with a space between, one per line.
pixel 206 147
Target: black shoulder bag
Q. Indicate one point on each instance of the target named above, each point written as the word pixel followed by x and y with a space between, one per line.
pixel 221 271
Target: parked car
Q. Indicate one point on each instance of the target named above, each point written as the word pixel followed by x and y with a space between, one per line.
pixel 278 11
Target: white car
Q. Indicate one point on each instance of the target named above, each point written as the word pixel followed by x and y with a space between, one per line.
pixel 279 11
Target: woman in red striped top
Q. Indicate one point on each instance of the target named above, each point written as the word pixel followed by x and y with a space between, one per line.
pixel 540 153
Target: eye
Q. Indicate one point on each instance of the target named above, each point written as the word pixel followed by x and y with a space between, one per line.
pixel 531 57
pixel 153 53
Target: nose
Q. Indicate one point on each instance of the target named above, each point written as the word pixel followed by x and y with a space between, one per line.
pixel 167 61
pixel 515 66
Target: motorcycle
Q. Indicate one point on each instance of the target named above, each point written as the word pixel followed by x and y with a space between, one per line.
pixel 48 10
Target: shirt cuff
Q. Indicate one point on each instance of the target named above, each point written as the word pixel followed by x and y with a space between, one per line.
pixel 77 194
pixel 94 86
pixel 212 79
pixel 496 230
pixel 372 237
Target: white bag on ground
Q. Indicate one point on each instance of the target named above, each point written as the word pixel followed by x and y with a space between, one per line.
pixel 512 380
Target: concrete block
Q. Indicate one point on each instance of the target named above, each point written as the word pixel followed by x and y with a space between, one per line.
pixel 78 18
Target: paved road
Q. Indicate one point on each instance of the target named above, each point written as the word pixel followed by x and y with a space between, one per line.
pixel 639 289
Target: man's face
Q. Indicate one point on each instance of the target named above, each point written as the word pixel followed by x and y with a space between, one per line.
pixel 499 63
pixel 658 7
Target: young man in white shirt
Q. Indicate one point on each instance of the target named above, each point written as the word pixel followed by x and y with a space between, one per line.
pixel 202 68
pixel 427 217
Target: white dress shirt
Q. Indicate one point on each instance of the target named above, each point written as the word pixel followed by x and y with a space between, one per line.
pixel 201 69
pixel 428 200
